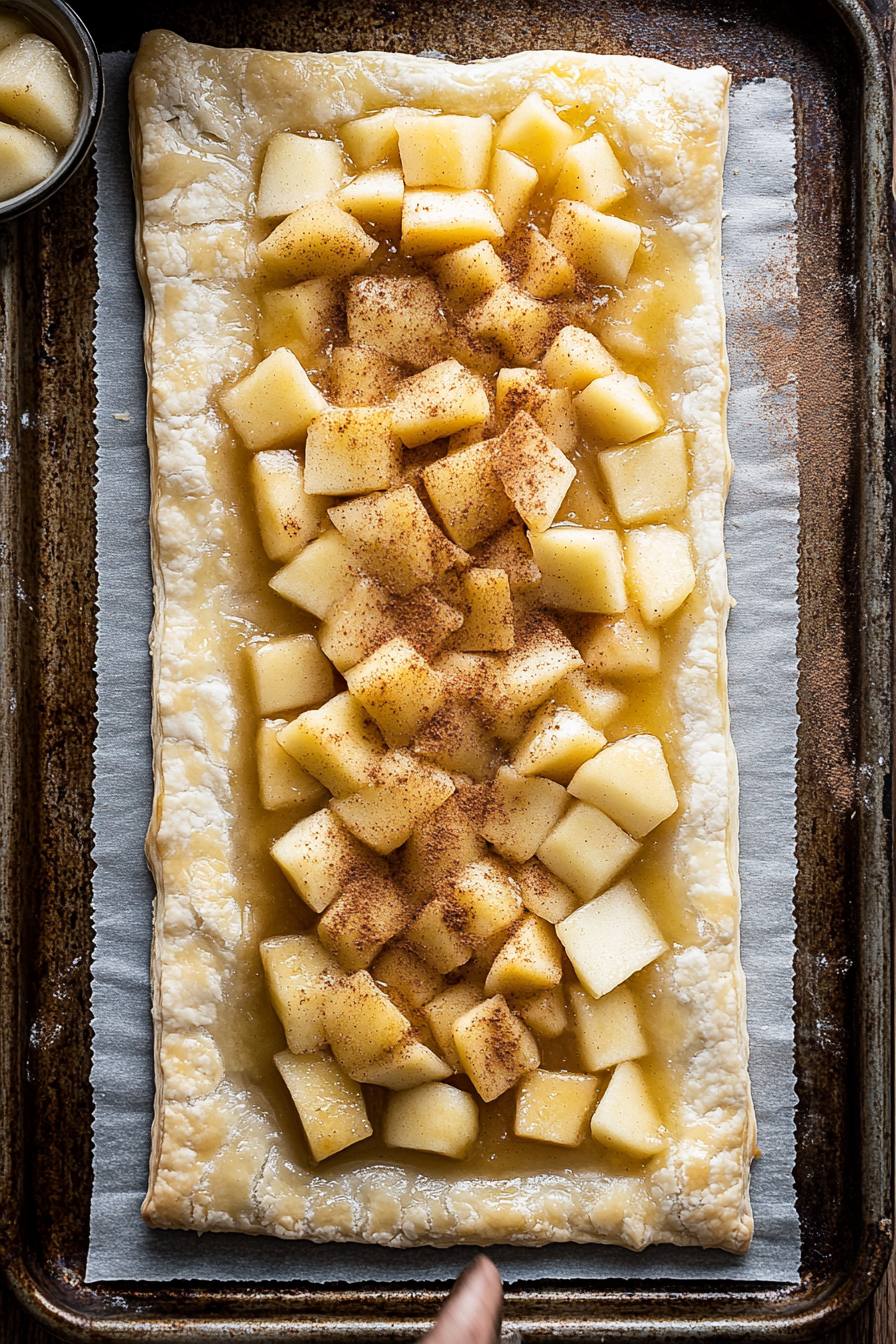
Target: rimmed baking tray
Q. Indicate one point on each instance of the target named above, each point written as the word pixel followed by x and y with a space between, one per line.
pixel 836 63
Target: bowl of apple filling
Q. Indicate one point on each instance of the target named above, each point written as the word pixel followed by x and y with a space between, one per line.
pixel 51 97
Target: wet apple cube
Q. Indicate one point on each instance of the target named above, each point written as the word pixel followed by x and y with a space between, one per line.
pixel 582 568
pixel 590 172
pixel 368 913
pixel 400 316
pixel 530 960
pixel 509 549
pixel 597 702
pixel 401 791
pixel 287 518
pixel 522 811
pixel 300 318
pixel 511 183
pixel 489 896
pixel 648 480
pixel 543 893
pixel 434 1118
pixel 621 646
pixel 468 496
pixel 547 272
pixel 660 571
pixel 330 1105
pixel 575 358
pixel 374 139
pixel 550 407
pixel 298 974
pixel 403 973
pixel 535 132
pixel 541 657
pixel 533 471
pixel 488 607
pixel 603 246
pixel 281 780
pixel 361 376
pixel 617 409
pixel 555 1107
pixel 442 1012
pixel 630 782
pixel 37 88
pixel 442 400
pixel 25 160
pixel 362 1023
pixel 348 452
pixel 398 688
pixel 338 744
pixel 297 169
pixel 555 744
pixel 608 1029
pixel 494 1048
pixel 356 624
pixel 543 1012
pixel 289 673
pixel 273 405
pixel 465 275
pixel 611 938
pixel 393 537
pixel 440 221
pixel 445 841
pixel 320 574
pixel 319 856
pixel 410 1064
pixel 626 1117
pixel 445 151
pixel 587 850
pixel 375 198
pixel 317 240
pixel 521 325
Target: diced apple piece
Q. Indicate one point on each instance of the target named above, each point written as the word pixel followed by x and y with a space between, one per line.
pixel 587 850
pixel 318 239
pixel 530 960
pixel 445 841
pixel 409 1065
pixel 362 1024
pixel 399 316
pixel 541 657
pixel 364 917
pixel 648 480
pixel 301 318
pixel 543 893
pixel 439 221
pixel 607 1029
pixel 626 1117
pixel 445 151
pixel 454 738
pixel 434 1118
pixel 521 813
pixel 337 744
pixel 472 905
pixel 660 571
pixel 398 688
pixel 575 358
pixel 489 611
pixel 535 132
pixel 403 973
pixel 25 160
pixel 582 568
pixel 319 856
pixel 318 576
pixel 593 699
pixel 464 276
pixel 289 673
pixel 439 934
pixel 509 550
pixel 393 537
pixel 330 1105
pixel 630 782
pixel 349 452
pixel 274 404
pixel 361 376
pixel 299 974
pixel 494 1047
pixel 401 792
pixel 555 1107
pixel 621 646
pixel 617 409
pixel 296 171
pixel 424 620
pixel 37 88
pixel 442 1012
pixel 468 496
pixel 442 400
pixel 374 139
pixel 511 183
pixel 634 321
pixel 356 624
pixel 522 326
pixel 550 408
pixel 555 744
pixel 534 472
pixel 547 272
pixel 610 938
pixel 544 1012
pixel 603 246
pixel 375 198
pixel 590 173
pixel 281 780
pixel 287 518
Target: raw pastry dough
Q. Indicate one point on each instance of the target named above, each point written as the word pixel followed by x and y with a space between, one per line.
pixel 227 1148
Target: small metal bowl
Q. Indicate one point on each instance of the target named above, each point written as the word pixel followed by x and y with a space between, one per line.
pixel 54 20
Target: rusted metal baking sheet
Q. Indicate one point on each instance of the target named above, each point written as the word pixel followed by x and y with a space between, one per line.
pixel 831 55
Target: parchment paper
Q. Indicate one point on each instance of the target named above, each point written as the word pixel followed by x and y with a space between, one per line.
pixel 760 276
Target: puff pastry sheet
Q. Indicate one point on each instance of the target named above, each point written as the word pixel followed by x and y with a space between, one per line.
pixel 201 118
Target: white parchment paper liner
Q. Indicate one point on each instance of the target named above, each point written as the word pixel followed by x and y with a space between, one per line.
pixel 760 280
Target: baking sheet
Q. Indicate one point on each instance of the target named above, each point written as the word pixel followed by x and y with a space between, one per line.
pixel 760 276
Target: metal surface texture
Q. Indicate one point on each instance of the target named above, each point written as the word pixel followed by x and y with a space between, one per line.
pixel 830 51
